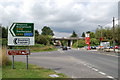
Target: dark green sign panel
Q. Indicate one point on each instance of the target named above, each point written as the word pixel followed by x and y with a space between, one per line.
pixel 22 29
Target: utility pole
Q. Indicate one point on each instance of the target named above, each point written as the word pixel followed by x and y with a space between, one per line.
pixel 101 33
pixel 114 34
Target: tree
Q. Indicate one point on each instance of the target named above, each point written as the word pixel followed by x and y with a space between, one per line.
pixel 83 34
pixel 80 43
pixel 92 35
pixel 36 36
pixel 42 40
pixel 74 34
pixel 94 42
pixel 4 32
pixel 47 31
pixel 88 32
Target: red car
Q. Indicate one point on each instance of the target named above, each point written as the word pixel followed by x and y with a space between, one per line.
pixel 116 47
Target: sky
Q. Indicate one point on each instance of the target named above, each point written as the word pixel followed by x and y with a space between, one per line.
pixel 62 16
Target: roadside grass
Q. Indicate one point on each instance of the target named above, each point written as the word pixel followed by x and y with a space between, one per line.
pixel 37 48
pixel 41 48
pixel 33 71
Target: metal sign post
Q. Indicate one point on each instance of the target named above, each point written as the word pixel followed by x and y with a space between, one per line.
pixel 14 52
pixel 13 62
pixel 26 61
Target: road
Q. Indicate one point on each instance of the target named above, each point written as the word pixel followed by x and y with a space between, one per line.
pixel 76 63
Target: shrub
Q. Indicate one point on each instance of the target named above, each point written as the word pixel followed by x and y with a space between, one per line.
pixel 4 58
pixel 80 43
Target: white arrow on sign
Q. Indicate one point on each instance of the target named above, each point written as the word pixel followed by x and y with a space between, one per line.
pixel 12 29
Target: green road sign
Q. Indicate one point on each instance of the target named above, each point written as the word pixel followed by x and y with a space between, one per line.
pixel 22 29
pixel 21 34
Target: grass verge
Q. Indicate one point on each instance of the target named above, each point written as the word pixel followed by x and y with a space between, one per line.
pixel 37 48
pixel 33 71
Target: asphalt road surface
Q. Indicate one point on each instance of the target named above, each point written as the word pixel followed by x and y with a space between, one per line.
pixel 76 63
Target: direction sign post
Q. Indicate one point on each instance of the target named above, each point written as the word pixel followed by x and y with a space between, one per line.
pixel 20 34
pixel 26 61
pixel 12 61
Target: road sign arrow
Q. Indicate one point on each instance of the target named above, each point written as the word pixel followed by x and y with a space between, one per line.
pixel 11 29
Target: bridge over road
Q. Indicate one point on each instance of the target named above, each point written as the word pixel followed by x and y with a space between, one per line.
pixel 68 39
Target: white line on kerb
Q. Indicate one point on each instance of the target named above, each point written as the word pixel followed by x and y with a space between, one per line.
pixel 110 77
pixel 102 73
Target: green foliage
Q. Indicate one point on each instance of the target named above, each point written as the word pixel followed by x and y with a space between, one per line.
pixel 47 31
pixel 92 35
pixel 80 43
pixel 40 47
pixel 64 43
pixel 36 36
pixel 44 39
pixel 107 34
pixel 4 41
pixel 4 32
pixel 94 42
pixel 83 34
pixel 98 33
pixel 74 34
pixel 88 31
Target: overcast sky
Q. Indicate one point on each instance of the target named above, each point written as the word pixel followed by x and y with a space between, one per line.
pixel 62 16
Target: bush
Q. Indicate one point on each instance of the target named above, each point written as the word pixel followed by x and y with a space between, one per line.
pixel 4 41
pixel 94 42
pixel 80 43
pixel 5 60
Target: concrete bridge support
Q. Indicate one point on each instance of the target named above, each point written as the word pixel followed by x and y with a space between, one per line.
pixel 70 43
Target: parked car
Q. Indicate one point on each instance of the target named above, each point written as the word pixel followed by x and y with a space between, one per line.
pixel 68 47
pixel 93 47
pixel 116 47
pixel 111 47
pixel 64 48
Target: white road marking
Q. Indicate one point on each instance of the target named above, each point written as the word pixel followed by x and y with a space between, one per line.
pixel 102 73
pixel 95 69
pixel 89 66
pixel 105 54
pixel 110 77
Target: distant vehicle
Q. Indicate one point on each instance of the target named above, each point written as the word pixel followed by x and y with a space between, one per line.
pixel 68 47
pixel 111 47
pixel 86 47
pixel 93 47
pixel 64 48
pixel 116 47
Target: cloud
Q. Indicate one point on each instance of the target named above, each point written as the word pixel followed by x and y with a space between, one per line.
pixel 63 16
